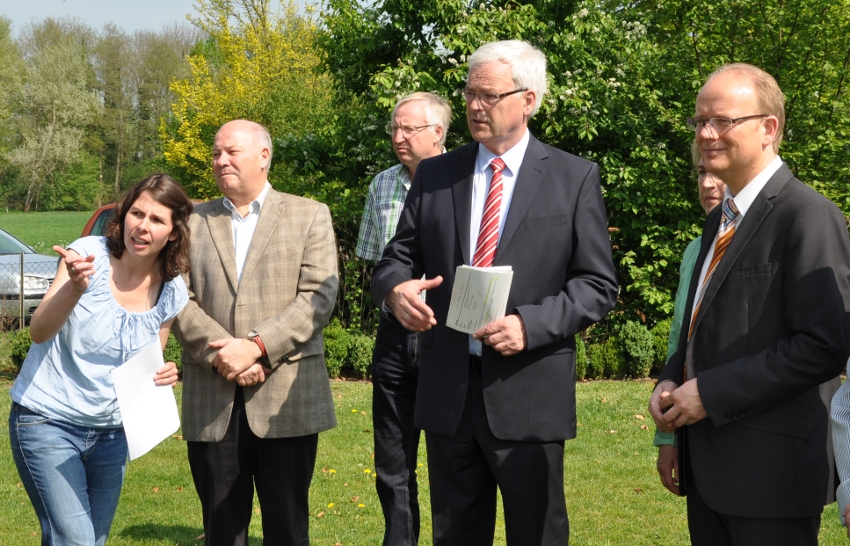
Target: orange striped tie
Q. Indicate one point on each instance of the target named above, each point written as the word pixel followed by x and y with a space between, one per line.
pixel 488 235
pixel 724 237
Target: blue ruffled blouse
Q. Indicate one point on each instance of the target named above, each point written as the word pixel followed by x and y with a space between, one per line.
pixel 68 378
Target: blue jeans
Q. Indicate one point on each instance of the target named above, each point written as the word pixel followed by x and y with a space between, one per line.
pixel 72 474
pixel 395 369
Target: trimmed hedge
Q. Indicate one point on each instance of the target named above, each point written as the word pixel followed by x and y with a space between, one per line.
pixel 581 358
pixel 173 353
pixel 347 354
pixel 19 346
pixel 660 335
pixel 637 347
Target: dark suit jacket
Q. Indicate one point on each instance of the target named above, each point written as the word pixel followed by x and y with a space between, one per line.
pixel 556 240
pixel 773 325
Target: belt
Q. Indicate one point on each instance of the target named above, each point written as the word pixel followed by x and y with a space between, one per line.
pixel 475 363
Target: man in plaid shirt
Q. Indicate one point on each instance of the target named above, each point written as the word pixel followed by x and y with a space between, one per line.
pixel 418 129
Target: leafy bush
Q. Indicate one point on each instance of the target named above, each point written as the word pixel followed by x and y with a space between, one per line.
pixel 595 364
pixel 581 358
pixel 613 360
pixel 638 348
pixel 605 360
pixel 360 349
pixel 347 353
pixel 660 335
pixel 336 347
pixel 173 352
pixel 19 346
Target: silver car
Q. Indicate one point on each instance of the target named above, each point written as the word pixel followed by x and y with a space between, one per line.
pixel 39 271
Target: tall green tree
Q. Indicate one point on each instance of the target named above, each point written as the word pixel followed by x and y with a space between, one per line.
pixel 802 43
pixel 11 81
pixel 114 72
pixel 255 64
pixel 56 106
pixel 602 104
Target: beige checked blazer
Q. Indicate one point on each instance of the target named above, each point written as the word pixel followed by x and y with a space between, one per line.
pixel 288 289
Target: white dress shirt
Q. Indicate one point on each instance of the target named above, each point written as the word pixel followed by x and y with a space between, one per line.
pixel 840 415
pixel 244 226
pixel 743 201
pixel 481 185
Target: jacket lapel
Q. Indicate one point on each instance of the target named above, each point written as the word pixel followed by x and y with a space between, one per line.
pixel 270 216
pixel 462 178
pixel 221 231
pixel 756 214
pixel 525 189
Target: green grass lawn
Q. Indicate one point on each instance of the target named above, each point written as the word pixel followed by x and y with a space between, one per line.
pixel 42 230
pixel 613 493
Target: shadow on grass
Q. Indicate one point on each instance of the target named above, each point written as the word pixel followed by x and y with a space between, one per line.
pixel 181 535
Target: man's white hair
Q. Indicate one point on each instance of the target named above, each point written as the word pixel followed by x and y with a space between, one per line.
pixel 438 111
pixel 528 64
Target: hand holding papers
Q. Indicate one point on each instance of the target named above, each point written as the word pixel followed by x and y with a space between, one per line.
pixel 479 297
pixel 149 412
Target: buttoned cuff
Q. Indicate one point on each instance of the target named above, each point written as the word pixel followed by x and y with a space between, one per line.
pixel 664 438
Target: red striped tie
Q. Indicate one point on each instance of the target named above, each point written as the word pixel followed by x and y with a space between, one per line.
pixel 724 237
pixel 488 235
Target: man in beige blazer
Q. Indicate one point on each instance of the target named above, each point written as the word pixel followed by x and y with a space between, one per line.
pixel 262 282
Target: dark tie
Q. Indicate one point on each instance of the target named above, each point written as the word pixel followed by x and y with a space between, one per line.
pixel 488 235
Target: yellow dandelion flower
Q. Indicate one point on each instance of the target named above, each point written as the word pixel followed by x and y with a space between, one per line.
pixel 330 505
pixel 367 471
pixel 332 471
pixel 361 505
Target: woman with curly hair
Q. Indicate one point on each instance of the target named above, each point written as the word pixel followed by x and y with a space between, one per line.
pixel 112 296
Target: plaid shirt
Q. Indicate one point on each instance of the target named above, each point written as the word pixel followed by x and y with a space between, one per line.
pixel 384 204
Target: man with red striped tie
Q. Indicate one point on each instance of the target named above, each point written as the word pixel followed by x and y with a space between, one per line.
pixel 766 322
pixel 497 406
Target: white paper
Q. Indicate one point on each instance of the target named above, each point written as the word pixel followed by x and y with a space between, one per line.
pixel 479 297
pixel 149 412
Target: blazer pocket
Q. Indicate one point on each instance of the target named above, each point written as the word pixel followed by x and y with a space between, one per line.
pixel 543 221
pixel 777 422
pixel 750 271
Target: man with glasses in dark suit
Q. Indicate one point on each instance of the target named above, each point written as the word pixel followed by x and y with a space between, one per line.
pixel 766 323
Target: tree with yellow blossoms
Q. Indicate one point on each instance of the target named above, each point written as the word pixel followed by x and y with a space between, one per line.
pixel 255 64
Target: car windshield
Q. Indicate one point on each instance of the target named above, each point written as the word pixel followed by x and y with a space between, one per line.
pixel 10 245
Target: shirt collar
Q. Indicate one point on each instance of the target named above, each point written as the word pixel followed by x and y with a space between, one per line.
pixel 403 173
pixel 255 206
pixel 746 196
pixel 512 158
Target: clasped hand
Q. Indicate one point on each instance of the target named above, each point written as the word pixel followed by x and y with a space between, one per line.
pixel 237 361
pixel 672 407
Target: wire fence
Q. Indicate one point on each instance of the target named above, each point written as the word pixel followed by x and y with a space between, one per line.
pixel 24 280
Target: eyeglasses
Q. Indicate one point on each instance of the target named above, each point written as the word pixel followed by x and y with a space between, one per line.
pixel 487 99
pixel 406 130
pixel 719 125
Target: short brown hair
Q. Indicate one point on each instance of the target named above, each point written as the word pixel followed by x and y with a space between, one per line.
pixel 174 257
pixel 770 98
